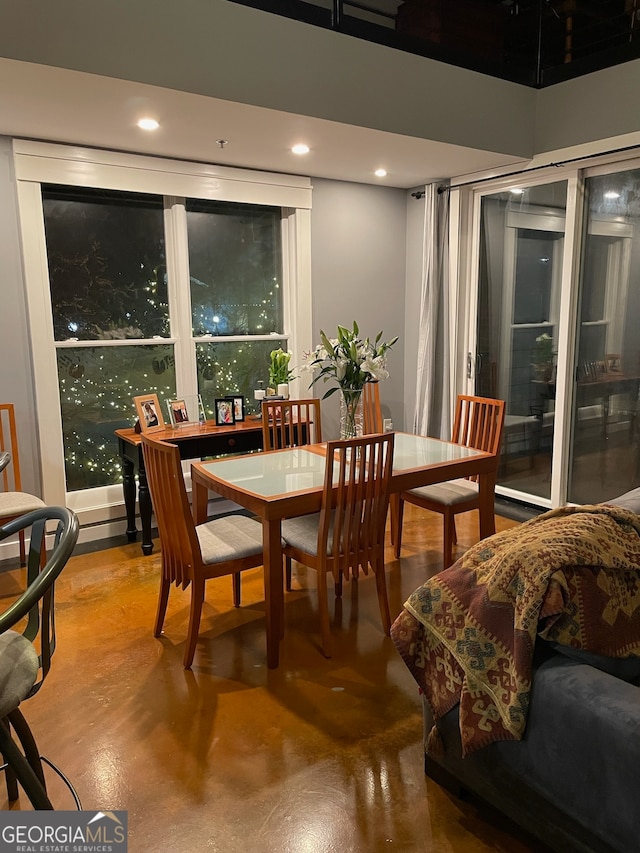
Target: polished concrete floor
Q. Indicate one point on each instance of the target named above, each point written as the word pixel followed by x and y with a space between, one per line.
pixel 231 757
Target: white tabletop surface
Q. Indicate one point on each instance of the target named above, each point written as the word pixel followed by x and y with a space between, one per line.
pixel 300 470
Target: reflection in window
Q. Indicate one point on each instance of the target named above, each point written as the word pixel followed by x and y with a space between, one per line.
pixel 235 268
pixel 97 386
pixel 605 459
pixel 107 268
pixel 521 249
pixel 233 367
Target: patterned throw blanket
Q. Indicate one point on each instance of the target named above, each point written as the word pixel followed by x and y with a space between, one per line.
pixel 571 575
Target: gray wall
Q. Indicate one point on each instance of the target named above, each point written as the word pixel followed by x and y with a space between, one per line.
pixel 594 107
pixel 16 376
pixel 230 51
pixel 358 273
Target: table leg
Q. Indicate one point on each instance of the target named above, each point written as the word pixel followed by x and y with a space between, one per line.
pixel 199 501
pixel 129 489
pixel 273 589
pixel 144 500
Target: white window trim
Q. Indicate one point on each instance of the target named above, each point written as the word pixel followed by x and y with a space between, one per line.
pixel 37 163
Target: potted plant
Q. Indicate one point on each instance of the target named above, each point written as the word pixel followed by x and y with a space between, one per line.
pixel 543 357
pixel 279 373
pixel 350 361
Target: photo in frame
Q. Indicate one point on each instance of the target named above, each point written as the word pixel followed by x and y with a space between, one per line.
pixel 224 411
pixel 238 408
pixel 186 411
pixel 149 412
pixel 178 412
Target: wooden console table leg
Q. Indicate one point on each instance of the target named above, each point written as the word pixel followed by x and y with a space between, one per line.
pixel 129 489
pixel 144 499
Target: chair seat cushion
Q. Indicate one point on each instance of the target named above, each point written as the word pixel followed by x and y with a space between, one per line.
pixel 230 538
pixel 302 533
pixel 18 503
pixel 450 493
pixel 19 667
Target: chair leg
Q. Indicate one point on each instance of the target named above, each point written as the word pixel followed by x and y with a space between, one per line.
pixel 383 598
pixel 195 612
pixel 236 589
pixel 323 610
pixel 449 535
pixel 27 742
pixel 23 771
pixel 162 606
pixel 287 573
pixel 397 513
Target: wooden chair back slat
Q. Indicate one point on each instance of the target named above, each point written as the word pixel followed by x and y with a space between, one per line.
pixel 352 525
pixel 479 423
pixel 11 478
pixel 290 423
pixel 372 412
pixel 180 546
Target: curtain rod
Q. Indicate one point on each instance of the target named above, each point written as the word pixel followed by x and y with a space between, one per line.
pixel 443 188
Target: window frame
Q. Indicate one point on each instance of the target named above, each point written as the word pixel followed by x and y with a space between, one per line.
pixel 43 163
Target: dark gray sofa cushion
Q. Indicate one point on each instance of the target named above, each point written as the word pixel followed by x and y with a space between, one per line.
pixel 630 500
pixel 628 669
pixel 573 779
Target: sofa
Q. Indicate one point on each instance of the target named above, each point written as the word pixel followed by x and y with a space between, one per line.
pixel 572 779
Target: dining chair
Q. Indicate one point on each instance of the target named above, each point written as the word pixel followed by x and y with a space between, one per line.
pixel 13 501
pixel 347 535
pixel 290 423
pixel 277 432
pixel 478 423
pixel 372 412
pixel 192 554
pixel 27 647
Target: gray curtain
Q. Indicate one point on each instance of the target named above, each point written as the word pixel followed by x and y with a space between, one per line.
pixel 434 402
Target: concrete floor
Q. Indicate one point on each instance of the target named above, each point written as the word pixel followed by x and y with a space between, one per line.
pixel 231 757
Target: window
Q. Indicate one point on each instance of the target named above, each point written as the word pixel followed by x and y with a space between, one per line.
pixel 146 290
pixel 108 282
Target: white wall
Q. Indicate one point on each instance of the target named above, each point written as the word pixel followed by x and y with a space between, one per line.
pixel 358 273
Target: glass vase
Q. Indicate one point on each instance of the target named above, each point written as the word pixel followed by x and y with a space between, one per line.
pixel 351 413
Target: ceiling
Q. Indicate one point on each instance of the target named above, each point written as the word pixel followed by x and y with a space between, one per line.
pixel 55 104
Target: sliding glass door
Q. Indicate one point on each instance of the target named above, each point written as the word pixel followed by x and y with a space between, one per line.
pixel 603 459
pixel 557 333
pixel 521 252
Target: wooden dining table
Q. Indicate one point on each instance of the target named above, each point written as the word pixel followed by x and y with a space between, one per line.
pixel 286 483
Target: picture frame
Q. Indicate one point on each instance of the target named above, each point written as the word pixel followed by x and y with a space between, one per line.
pixel 224 407
pixel 614 363
pixel 149 412
pixel 238 408
pixel 192 406
pixel 178 412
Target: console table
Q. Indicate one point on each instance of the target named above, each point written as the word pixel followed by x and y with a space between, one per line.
pixel 195 441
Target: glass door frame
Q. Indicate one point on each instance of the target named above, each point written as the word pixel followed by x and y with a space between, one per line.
pixel 470 200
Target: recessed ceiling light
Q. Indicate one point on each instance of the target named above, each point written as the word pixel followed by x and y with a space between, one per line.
pixel 380 173
pixel 301 148
pixel 517 191
pixel 612 194
pixel 148 124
